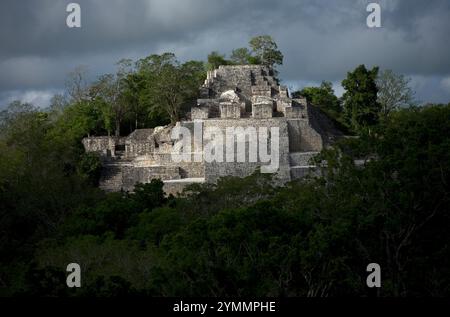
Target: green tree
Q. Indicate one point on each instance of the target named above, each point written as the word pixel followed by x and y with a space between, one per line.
pixel 322 96
pixel 241 56
pixel 265 49
pixel 393 91
pixel 77 86
pixel 90 166
pixel 169 85
pixel 39 181
pixel 131 95
pixel 107 91
pixel 215 60
pixel 361 108
pixel 80 119
pixel 112 90
pixel 57 105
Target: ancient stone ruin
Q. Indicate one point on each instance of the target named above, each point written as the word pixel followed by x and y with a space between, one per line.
pixel 232 96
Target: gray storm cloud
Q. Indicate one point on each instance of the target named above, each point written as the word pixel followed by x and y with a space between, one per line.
pixel 321 40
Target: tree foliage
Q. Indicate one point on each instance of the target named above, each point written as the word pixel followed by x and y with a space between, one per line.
pixel 215 59
pixel 241 56
pixel 361 106
pixel 169 85
pixel 393 91
pixel 265 49
pixel 239 237
pixel 322 96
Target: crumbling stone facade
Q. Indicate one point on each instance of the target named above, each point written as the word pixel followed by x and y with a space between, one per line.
pixel 232 96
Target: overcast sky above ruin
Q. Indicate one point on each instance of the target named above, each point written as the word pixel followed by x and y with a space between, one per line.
pixel 321 40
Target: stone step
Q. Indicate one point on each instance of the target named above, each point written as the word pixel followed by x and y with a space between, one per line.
pixel 176 186
pixel 185 180
pixel 164 172
pixel 147 173
pixel 117 176
pixel 262 83
pixel 111 179
pixel 301 158
pixel 301 171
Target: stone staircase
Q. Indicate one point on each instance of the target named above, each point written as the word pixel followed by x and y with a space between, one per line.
pixel 164 172
pixel 176 186
pixel 118 176
pixel 111 178
pixel 300 164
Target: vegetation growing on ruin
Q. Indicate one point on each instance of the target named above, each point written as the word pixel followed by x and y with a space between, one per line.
pixel 241 237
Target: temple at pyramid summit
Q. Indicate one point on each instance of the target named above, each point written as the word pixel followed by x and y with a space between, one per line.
pixel 243 96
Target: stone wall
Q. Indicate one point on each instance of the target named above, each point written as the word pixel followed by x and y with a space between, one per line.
pixel 262 110
pixel 105 146
pixel 199 113
pixel 230 110
pixel 324 126
pixel 296 135
pixel 232 97
pixel 215 170
pixel 240 77
pixel 140 142
pixel 302 137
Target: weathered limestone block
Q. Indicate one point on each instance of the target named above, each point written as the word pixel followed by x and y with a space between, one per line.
pixel 301 158
pixel 111 178
pixel 298 172
pixel 140 142
pixel 162 135
pixel 215 170
pixel 96 144
pixel 229 100
pixel 262 107
pixel 302 137
pixel 231 96
pixel 211 104
pixel 262 110
pixel 261 99
pixel 231 77
pixel 300 101
pixel 261 90
pixel 175 187
pixel 132 175
pixel 135 148
pixel 199 113
pixel 105 146
pixel 204 92
pixel 282 104
pixel 283 91
pixel 294 112
pixel 229 110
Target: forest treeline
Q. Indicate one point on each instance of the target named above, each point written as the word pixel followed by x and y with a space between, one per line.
pixel 239 237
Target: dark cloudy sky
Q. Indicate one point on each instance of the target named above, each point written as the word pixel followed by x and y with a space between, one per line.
pixel 321 40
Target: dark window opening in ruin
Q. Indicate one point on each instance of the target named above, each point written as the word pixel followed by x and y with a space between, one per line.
pixel 278 114
pixel 183 173
pixel 119 148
